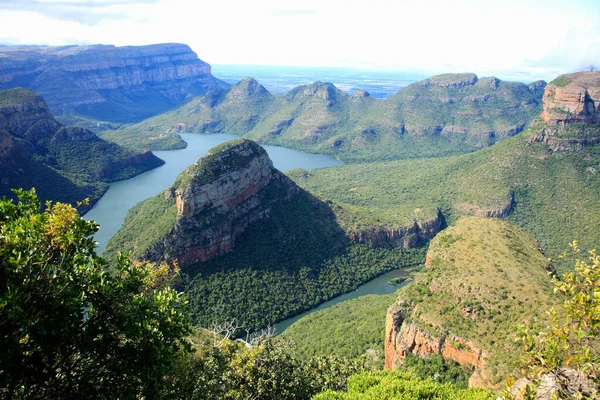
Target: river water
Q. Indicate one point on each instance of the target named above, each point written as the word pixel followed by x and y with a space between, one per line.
pixel 109 212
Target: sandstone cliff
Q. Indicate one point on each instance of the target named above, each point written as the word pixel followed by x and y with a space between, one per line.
pixel 482 277
pixel 107 82
pixel 63 163
pixel 208 206
pixel 571 116
pixel 408 236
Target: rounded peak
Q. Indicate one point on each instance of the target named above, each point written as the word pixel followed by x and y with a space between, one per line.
pixel 361 93
pixel 584 79
pixel 222 159
pixel 21 96
pixel 248 86
pixel 453 80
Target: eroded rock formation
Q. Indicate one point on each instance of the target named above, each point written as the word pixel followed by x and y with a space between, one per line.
pixel 571 117
pixel 217 198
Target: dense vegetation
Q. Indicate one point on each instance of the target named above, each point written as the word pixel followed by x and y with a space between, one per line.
pixel 353 329
pixel 71 328
pixel 399 385
pixel 551 191
pixel 441 116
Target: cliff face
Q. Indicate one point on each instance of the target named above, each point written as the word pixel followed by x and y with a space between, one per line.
pixel 37 151
pixel 231 187
pixel 93 80
pixel 406 237
pixel 571 116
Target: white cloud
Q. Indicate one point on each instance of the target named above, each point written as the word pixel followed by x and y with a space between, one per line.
pixel 487 37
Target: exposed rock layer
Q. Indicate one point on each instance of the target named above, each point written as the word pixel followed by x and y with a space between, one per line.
pixel 217 198
pixel 107 81
pixel 571 117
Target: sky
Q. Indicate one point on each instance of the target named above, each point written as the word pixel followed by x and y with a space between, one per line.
pixel 536 38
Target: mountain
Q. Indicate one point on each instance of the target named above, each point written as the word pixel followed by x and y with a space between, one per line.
pixel 444 115
pixel 483 277
pixel 237 110
pixel 253 246
pixel 551 193
pixel 106 83
pixel 64 164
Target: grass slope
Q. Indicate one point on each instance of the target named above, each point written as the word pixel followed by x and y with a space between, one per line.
pixel 353 329
pixel 483 278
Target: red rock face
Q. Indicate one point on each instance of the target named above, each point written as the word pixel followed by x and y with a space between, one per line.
pixel 221 199
pixel 573 98
pixel 402 338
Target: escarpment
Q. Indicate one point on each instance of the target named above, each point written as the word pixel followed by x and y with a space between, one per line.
pixel 571 116
pixel 210 205
pixel 482 277
pixel 408 236
pixel 107 82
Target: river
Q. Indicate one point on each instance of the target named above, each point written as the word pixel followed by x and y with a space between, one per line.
pixel 109 212
pixel 378 285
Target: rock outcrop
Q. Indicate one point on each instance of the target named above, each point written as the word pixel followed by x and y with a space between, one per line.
pixel 107 82
pixel 404 338
pixel 571 117
pixel 231 187
pixel 407 236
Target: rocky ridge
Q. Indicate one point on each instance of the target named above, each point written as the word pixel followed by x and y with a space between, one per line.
pixel 571 116
pixel 107 82
pixel 63 163
pixel 464 304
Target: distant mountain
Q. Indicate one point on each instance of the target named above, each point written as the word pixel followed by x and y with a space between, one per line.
pixel 444 115
pixel 107 83
pixel 64 164
pixel 545 180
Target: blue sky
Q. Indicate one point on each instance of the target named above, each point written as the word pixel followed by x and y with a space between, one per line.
pixel 540 39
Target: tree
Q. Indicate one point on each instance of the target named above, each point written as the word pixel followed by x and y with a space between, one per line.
pixel 569 348
pixel 73 327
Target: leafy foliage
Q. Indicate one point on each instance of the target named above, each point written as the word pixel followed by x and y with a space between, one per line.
pixel 400 385
pixel 267 370
pixel 352 329
pixel 69 327
pixel 572 338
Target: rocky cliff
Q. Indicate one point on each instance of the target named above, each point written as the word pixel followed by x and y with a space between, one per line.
pixel 210 205
pixel 106 82
pixel 408 236
pixel 63 163
pixel 482 277
pixel 571 116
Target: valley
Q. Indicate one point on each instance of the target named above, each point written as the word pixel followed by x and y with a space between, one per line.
pixel 293 207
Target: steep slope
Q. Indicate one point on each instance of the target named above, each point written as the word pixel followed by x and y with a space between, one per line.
pixel 253 246
pixel 100 82
pixel 444 115
pixel 64 164
pixel 482 278
pixel 553 195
